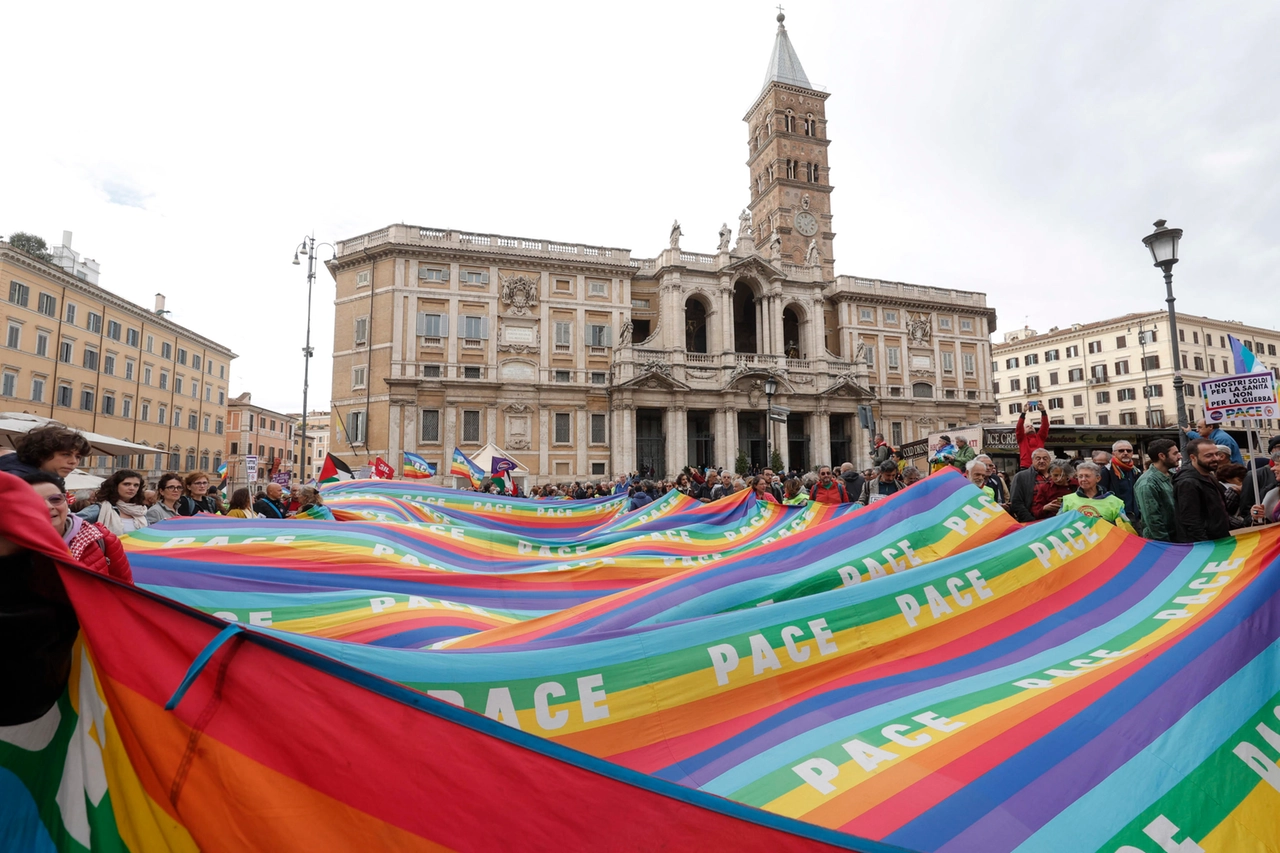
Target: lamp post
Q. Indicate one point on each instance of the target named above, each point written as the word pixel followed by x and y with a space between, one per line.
pixel 1146 375
pixel 1163 245
pixel 307 248
pixel 770 388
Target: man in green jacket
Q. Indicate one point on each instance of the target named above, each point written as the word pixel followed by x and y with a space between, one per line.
pixel 1154 490
pixel 964 453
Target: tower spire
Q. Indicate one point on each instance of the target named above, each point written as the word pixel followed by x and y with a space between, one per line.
pixel 784 64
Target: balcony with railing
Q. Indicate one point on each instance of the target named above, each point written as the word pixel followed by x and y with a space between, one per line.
pixel 898 290
pixel 712 371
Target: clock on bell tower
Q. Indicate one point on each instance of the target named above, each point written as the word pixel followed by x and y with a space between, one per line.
pixel 787 159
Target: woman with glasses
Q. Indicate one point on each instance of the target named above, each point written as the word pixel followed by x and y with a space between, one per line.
pixel 170 491
pixel 197 497
pixel 118 504
pixel 92 545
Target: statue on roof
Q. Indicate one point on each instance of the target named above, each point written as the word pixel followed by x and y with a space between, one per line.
pixel 725 233
pixel 744 224
pixel 676 234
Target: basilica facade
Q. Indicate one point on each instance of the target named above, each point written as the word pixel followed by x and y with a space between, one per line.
pixel 583 362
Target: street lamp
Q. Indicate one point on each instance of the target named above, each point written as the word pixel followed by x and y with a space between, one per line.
pixel 307 248
pixel 770 388
pixel 1163 245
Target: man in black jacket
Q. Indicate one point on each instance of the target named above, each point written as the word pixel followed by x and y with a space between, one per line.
pixel 271 504
pixel 1200 511
pixel 1024 484
pixel 853 481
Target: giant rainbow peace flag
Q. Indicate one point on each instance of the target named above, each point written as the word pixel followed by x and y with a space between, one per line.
pixel 922 674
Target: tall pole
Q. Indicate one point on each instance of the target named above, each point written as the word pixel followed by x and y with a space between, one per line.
pixel 1177 357
pixel 310 243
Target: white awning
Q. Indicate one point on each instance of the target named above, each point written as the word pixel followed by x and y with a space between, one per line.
pixel 14 424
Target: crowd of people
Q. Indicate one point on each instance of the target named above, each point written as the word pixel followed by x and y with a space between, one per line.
pixel 1200 493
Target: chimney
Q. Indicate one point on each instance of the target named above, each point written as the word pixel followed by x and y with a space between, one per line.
pixel 66 239
pixel 160 303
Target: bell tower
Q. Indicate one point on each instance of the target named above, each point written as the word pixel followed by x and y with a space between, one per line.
pixel 787 161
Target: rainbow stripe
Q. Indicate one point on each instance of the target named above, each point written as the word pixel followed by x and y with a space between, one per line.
pixel 924 673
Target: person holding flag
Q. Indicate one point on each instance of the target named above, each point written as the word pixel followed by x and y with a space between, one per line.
pixel 461 466
pixel 501 469
pixel 417 468
pixel 382 470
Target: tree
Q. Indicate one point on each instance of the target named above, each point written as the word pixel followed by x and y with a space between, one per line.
pixel 742 464
pixel 31 245
pixel 775 461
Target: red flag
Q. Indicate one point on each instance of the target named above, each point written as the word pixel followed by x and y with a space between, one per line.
pixel 382 470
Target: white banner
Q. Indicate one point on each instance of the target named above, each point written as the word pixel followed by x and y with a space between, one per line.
pixel 1246 395
pixel 251 468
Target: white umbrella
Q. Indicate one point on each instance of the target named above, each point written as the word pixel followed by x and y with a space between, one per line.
pixel 78 480
pixel 14 424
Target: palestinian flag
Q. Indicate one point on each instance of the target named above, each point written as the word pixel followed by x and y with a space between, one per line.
pixel 334 470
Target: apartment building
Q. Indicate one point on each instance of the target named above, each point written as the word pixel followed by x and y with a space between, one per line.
pixel 1119 371
pixel 78 353
pixel 262 433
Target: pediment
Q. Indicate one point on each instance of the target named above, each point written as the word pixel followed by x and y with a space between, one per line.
pixel 655 379
pixel 756 266
pixel 845 385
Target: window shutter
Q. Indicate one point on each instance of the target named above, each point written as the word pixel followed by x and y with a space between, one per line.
pixel 422 324
pixel 444 276
pixel 444 325
pixel 484 321
pixel 608 336
pixel 484 278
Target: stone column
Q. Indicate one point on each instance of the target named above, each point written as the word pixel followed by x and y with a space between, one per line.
pixel 628 437
pixel 449 433
pixel 779 335
pixel 821 437
pixel 583 438
pixel 394 428
pixel 780 443
pixel 762 325
pixel 544 441
pixel 672 425
pixel 721 437
pixel 491 426
pixel 726 314
pixel 410 433
pixel 731 437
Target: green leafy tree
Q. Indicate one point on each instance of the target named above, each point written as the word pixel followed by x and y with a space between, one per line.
pixel 775 462
pixel 34 246
pixel 741 464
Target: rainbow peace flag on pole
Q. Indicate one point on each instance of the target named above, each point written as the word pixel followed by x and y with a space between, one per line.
pixel 464 467
pixel 1242 357
pixel 221 474
pixel 417 468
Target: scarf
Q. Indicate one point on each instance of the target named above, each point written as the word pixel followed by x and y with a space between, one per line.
pixel 109 516
pixel 1119 467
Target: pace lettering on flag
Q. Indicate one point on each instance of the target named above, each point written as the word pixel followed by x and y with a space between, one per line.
pixel 417 468
pixel 461 466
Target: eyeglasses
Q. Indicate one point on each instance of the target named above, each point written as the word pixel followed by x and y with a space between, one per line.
pixel 1124 451
pixel 201 483
pixel 171 487
pixel 56 500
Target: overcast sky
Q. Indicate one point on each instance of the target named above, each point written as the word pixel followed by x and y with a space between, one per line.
pixel 1019 149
